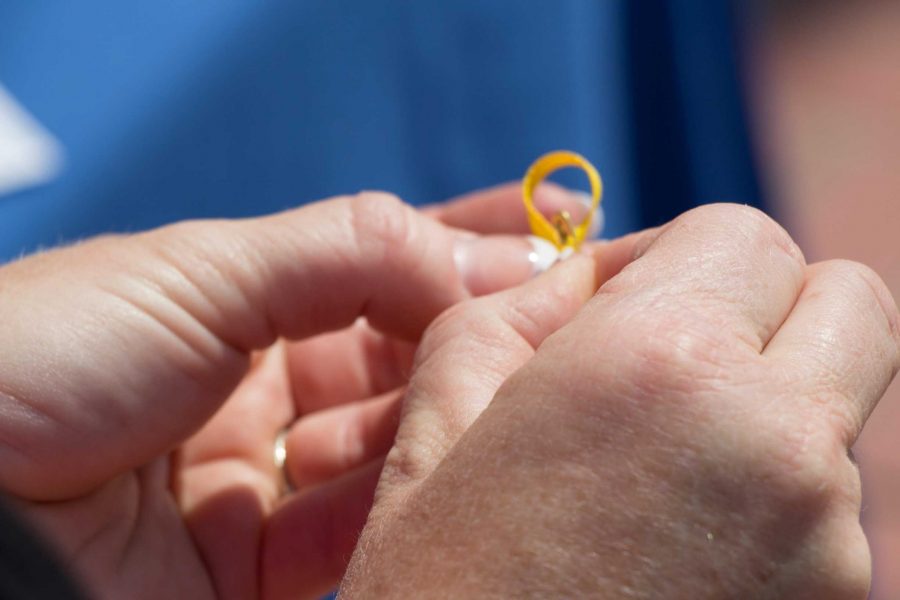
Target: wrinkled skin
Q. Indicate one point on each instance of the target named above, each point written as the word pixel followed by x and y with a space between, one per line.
pixel 143 380
pixel 680 433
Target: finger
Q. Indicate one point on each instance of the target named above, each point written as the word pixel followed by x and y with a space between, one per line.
pixel 248 422
pixel 346 366
pixel 225 480
pixel 299 550
pixel 308 540
pixel 611 256
pixel 369 255
pixel 162 324
pixel 839 550
pixel 358 362
pixel 328 443
pixel 225 504
pixel 500 209
pixel 718 270
pixel 465 357
pixel 848 302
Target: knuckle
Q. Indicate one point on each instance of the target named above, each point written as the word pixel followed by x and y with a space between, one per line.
pixel 182 233
pixel 754 226
pixel 739 215
pixel 185 241
pixel 382 224
pixel 803 468
pixel 793 474
pixel 528 316
pixel 864 283
pixel 675 352
pixel 852 575
pixel 456 319
pixel 473 323
pixel 451 323
pixel 834 409
pixel 408 459
pixel 454 322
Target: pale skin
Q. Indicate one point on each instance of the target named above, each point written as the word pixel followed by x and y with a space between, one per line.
pixel 667 417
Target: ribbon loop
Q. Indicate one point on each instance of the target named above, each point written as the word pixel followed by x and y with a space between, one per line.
pixel 560 231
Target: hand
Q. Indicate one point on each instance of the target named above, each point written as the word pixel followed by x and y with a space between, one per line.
pixel 684 434
pixel 116 353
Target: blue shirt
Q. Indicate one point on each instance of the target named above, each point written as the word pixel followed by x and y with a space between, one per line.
pixel 168 110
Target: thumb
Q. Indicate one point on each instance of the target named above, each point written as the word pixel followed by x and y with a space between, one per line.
pixel 465 357
pixel 116 350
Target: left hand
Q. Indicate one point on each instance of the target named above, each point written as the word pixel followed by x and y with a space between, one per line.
pixel 118 356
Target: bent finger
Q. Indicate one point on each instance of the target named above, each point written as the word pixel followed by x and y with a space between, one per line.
pixel 717 271
pixel 841 343
pixel 248 421
pixel 154 331
pixel 358 363
pixel 309 538
pixel 325 444
pixel 346 366
pixel 465 357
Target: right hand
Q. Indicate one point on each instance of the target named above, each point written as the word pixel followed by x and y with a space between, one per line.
pixel 683 434
pixel 144 379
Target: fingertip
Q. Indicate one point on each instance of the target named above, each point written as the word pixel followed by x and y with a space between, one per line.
pixel 500 209
pixel 576 271
pixel 543 305
pixel 578 274
pixel 488 264
pixel 492 210
pixel 598 219
pixel 543 254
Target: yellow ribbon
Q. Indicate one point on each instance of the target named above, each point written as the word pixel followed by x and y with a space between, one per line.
pixel 560 232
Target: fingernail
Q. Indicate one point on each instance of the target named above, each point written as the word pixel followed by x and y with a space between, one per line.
pixel 543 254
pixel 488 264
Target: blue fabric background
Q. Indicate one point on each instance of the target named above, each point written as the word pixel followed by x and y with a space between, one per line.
pixel 169 110
pixel 172 110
